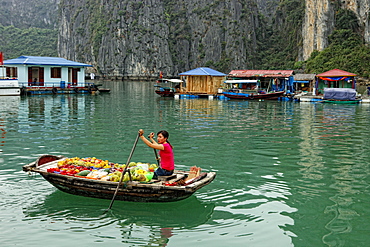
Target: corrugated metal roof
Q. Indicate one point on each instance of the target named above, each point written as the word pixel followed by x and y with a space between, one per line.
pixel 304 77
pixel 335 72
pixel 261 73
pixel 53 61
pixel 203 71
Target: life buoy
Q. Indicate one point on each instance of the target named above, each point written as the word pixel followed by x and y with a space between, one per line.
pixel 251 96
pixel 54 90
pixel 76 90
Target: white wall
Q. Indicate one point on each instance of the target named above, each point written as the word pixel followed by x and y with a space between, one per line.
pixel 48 81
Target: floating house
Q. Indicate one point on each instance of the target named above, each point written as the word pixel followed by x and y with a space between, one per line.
pixel 304 83
pixel 201 81
pixel 42 75
pixel 334 78
pixel 268 80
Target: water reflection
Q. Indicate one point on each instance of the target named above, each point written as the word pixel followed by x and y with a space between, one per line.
pixel 287 174
pixel 332 169
pixel 9 106
pixel 158 219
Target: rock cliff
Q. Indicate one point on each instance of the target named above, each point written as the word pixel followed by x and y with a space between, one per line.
pixel 319 22
pixel 29 13
pixel 141 38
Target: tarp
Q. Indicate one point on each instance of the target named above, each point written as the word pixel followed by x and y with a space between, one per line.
pixel 340 93
pixel 203 71
pixel 341 78
pixel 52 61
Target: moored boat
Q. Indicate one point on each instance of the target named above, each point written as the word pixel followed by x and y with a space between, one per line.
pixel 250 90
pixel 163 189
pixel 238 94
pixel 340 96
pixel 167 87
pixel 9 87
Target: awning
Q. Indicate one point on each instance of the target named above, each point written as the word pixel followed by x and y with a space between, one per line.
pixel 175 80
pixel 301 82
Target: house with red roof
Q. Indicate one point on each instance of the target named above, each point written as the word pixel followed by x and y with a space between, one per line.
pixel 268 80
pixel 335 78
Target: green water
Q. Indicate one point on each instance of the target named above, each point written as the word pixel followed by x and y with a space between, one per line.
pixel 288 174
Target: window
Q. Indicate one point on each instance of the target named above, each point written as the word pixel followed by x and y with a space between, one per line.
pixel 11 72
pixel 56 72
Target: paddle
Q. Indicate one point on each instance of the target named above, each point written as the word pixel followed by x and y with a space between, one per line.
pixel 156 156
pixel 124 171
pixel 155 153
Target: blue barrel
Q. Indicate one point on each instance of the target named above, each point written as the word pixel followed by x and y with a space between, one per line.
pixel 62 84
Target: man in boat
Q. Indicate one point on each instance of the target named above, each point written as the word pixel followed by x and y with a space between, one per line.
pixel 167 163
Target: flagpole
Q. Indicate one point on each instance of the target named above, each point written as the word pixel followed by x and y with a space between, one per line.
pixel 2 64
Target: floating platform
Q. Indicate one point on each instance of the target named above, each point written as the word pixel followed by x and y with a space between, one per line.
pixel 59 90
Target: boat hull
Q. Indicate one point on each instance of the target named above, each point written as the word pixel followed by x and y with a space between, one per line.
pixel 10 91
pixel 342 101
pixel 9 87
pixel 165 93
pixel 243 96
pixel 128 191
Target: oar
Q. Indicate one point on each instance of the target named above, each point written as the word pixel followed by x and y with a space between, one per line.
pixel 155 153
pixel 124 171
pixel 156 156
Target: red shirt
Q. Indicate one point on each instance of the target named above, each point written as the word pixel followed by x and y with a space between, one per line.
pixel 167 158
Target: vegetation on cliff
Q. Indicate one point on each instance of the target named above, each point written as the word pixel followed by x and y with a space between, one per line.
pixel 347 50
pixel 279 45
pixel 15 42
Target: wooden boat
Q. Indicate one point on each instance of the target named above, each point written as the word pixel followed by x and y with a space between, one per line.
pixel 165 189
pixel 239 94
pixel 167 87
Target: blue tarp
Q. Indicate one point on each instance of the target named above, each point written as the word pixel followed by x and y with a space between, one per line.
pixel 340 93
pixel 52 61
pixel 203 71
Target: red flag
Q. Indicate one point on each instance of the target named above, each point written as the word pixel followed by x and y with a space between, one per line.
pixel 1 59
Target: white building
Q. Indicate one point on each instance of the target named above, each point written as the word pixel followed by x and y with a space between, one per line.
pixel 48 72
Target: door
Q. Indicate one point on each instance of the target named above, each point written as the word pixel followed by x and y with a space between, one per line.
pixel 73 75
pixel 35 76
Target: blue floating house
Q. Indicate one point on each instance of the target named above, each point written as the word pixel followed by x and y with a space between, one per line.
pixel 202 80
pixel 46 72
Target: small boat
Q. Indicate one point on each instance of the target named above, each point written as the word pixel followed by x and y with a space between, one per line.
pixel 167 87
pixel 340 96
pixel 97 87
pixel 9 87
pixel 239 94
pixel 104 90
pixel 163 189
pixel 249 90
